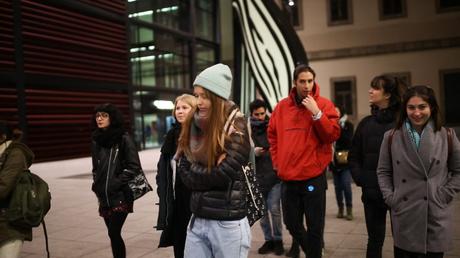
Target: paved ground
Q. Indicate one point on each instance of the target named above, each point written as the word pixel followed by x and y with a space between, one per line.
pixel 76 230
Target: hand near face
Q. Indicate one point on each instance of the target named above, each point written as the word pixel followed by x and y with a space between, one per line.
pixel 310 103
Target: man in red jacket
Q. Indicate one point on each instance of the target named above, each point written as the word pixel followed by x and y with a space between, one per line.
pixel 301 131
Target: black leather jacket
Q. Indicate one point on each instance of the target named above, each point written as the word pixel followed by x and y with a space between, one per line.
pixel 113 167
pixel 220 194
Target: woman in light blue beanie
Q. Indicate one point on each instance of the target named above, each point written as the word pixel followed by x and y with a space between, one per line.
pixel 211 156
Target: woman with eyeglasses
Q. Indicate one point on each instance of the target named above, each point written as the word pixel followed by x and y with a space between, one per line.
pixel 115 162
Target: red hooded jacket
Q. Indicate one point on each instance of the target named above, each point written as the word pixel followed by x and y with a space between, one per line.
pixel 301 148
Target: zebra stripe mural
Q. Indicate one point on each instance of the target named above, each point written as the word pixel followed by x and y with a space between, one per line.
pixel 270 50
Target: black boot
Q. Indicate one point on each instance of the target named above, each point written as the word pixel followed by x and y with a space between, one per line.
pixel 278 247
pixel 294 251
pixel 266 248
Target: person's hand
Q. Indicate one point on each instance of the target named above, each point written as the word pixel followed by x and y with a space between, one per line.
pixel 259 151
pixel 310 103
pixel 221 158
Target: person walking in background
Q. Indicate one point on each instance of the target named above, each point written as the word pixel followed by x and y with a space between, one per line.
pixel 174 197
pixel 419 175
pixel 269 182
pixel 341 169
pixel 15 158
pixel 216 147
pixel 385 100
pixel 301 131
pixel 115 162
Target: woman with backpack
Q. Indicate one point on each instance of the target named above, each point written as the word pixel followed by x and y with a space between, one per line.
pixel 115 162
pixel 218 226
pixel 419 175
pixel 15 158
pixel 174 197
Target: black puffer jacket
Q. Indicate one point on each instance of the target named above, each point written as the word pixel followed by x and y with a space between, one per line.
pixel 264 168
pixel 365 151
pixel 113 167
pixel 220 193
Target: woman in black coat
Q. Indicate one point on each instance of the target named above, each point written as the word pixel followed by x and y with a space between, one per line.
pixel 385 100
pixel 341 169
pixel 174 205
pixel 115 162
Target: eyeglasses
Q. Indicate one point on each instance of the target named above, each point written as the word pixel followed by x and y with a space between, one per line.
pixel 102 115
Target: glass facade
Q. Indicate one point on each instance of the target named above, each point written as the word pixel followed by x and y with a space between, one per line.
pixel 168 47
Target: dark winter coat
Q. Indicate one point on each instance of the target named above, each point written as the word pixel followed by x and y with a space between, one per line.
pixel 266 176
pixel 14 160
pixel 114 164
pixel 364 154
pixel 343 144
pixel 420 187
pixel 220 194
pixel 169 213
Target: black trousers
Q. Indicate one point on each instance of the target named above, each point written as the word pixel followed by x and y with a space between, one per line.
pixel 114 225
pixel 375 212
pixel 307 198
pixel 401 253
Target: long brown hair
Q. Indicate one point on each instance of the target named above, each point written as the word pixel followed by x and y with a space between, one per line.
pixel 214 146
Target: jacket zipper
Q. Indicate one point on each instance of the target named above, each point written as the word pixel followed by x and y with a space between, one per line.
pixel 107 179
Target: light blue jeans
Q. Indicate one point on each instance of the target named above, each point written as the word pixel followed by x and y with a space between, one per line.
pixel 273 231
pixel 11 248
pixel 218 238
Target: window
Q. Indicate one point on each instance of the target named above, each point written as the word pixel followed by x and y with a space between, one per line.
pixel 447 5
pixel 390 9
pixel 344 94
pixel 339 12
pixel 294 10
pixel 450 82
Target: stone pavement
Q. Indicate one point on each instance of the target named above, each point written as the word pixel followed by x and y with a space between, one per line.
pixel 76 230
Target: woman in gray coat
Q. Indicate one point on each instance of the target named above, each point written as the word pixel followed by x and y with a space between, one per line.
pixel 419 177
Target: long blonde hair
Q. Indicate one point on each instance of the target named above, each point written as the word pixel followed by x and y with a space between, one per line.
pixel 214 145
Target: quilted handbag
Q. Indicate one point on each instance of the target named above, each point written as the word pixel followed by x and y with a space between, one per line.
pixel 255 201
pixel 139 185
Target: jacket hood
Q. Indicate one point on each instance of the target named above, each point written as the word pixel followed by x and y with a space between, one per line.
pixel 26 150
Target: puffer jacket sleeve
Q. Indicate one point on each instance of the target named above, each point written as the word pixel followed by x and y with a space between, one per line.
pixel 237 149
pixel 355 156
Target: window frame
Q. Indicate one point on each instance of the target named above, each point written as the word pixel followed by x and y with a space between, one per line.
pixel 440 9
pixel 354 99
pixel 442 95
pixel 384 17
pixel 349 21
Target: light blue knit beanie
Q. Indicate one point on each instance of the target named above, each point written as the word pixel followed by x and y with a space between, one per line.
pixel 217 79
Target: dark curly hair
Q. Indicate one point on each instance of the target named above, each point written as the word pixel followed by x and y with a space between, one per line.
pixel 427 94
pixel 115 115
pixel 258 103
